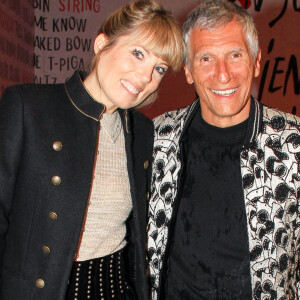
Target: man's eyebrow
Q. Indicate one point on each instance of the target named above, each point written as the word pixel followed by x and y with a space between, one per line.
pixel 201 53
pixel 238 49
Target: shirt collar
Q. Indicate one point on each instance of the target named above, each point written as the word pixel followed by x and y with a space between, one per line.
pixel 112 124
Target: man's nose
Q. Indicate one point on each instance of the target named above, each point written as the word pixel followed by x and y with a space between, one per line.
pixel 223 71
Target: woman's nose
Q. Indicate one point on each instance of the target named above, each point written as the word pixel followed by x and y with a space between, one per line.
pixel 145 74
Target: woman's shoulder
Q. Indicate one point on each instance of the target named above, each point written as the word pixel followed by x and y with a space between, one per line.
pixel 31 93
pixel 32 88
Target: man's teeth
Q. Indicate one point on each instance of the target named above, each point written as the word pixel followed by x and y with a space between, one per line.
pixel 129 87
pixel 224 93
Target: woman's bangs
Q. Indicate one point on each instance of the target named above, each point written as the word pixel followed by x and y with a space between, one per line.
pixel 159 39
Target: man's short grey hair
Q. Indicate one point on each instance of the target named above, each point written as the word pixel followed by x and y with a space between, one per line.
pixel 214 14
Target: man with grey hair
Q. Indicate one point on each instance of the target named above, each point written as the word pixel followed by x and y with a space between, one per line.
pixel 223 218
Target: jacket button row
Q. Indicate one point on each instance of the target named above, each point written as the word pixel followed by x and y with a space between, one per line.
pixel 146 164
pixel 148 195
pixel 40 283
pixel 57 146
pixel 56 180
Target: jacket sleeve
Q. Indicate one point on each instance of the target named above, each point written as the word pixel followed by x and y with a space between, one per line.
pixel 11 139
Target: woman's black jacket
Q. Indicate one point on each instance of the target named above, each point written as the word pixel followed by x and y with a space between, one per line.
pixel 48 141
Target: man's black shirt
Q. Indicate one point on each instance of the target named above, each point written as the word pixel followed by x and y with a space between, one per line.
pixel 209 257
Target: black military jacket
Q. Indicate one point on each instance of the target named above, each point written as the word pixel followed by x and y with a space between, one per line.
pixel 48 140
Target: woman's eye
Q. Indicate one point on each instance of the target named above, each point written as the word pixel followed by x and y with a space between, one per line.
pixel 138 54
pixel 161 70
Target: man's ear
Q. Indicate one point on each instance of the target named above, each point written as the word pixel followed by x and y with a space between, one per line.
pixel 257 64
pixel 188 75
pixel 100 42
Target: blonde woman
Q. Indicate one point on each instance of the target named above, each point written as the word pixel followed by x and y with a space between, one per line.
pixel 75 167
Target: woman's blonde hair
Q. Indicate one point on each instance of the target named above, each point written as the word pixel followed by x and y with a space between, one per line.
pixel 146 20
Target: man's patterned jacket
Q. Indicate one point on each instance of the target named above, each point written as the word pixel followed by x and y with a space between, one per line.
pixel 271 183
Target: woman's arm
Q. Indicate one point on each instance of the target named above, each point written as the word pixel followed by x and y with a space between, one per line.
pixel 11 140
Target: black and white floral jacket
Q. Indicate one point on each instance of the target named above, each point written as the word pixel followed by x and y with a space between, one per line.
pixel 271 182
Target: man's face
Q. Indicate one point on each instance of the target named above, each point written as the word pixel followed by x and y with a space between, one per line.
pixel 222 69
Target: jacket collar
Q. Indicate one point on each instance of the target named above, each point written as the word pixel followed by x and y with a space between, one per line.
pixel 255 121
pixel 81 98
pixel 254 125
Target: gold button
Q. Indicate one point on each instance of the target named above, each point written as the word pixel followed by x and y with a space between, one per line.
pixel 52 215
pixel 57 146
pixel 146 164
pixel 46 250
pixel 56 180
pixel 40 283
pixel 148 195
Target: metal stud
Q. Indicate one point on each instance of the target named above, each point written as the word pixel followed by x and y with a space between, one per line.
pixel 57 145
pixel 52 216
pixel 46 250
pixel 40 283
pixel 146 164
pixel 56 180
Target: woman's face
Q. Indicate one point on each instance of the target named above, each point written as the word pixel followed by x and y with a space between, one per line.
pixel 125 74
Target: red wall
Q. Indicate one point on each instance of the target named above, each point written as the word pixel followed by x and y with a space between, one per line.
pixel 16 47
pixel 278 23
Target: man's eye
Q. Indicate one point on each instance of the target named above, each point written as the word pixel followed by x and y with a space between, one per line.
pixel 161 70
pixel 138 54
pixel 236 55
pixel 205 58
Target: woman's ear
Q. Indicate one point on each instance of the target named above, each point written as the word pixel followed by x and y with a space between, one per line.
pixel 100 42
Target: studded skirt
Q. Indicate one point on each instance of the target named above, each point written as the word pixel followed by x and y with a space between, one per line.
pixel 100 279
